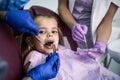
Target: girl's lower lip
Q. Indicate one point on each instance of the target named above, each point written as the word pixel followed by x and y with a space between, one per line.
pixel 48 47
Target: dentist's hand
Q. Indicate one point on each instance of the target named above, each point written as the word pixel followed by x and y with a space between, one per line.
pixel 78 32
pixel 21 21
pixel 98 49
pixel 47 70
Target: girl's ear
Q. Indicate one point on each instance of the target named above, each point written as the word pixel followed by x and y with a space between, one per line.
pixel 29 41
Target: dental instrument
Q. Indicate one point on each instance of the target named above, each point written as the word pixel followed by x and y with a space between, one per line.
pixel 54 46
pixel 86 45
pixel 37 38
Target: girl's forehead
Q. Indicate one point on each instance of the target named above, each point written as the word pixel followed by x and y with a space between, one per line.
pixel 44 22
pixel 48 27
pixel 47 24
pixel 42 18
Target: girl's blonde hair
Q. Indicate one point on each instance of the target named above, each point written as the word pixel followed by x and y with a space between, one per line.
pixel 25 48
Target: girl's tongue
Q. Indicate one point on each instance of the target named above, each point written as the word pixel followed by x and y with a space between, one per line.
pixel 49 45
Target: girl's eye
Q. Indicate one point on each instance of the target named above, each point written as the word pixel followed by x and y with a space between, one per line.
pixel 42 32
pixel 55 32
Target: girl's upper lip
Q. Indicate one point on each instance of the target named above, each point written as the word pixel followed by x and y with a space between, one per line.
pixel 48 41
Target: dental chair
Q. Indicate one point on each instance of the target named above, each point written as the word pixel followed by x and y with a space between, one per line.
pixel 9 44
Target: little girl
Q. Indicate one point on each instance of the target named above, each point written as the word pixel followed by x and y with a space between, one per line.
pixel 35 49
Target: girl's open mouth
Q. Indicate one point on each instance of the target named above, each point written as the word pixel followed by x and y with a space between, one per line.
pixel 49 44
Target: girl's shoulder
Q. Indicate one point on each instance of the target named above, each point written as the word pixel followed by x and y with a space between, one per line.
pixel 34 58
pixel 34 52
pixel 34 55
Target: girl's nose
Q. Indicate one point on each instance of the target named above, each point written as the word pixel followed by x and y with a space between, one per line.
pixel 49 34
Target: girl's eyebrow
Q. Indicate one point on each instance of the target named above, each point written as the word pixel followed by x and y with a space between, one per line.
pixel 45 28
pixel 41 28
pixel 55 27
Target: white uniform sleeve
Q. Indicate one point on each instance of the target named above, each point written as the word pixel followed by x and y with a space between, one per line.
pixel 116 2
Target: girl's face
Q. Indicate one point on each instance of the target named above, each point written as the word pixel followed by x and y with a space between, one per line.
pixel 48 34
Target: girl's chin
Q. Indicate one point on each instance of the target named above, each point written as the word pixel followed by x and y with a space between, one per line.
pixel 49 51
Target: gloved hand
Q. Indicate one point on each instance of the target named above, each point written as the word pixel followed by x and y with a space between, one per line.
pixel 21 21
pixel 78 32
pixel 98 49
pixel 47 70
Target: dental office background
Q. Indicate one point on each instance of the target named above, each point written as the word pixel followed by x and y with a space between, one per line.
pixel 53 4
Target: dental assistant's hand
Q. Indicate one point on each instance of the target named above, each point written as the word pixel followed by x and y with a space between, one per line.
pixel 98 49
pixel 21 21
pixel 78 32
pixel 47 70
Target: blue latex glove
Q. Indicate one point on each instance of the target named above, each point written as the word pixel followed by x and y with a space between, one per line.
pixel 78 32
pixel 12 4
pixel 47 70
pixel 21 21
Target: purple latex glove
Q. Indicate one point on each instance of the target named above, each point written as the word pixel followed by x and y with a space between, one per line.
pixel 78 32
pixel 98 49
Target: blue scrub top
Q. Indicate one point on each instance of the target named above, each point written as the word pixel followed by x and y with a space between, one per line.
pixel 12 4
